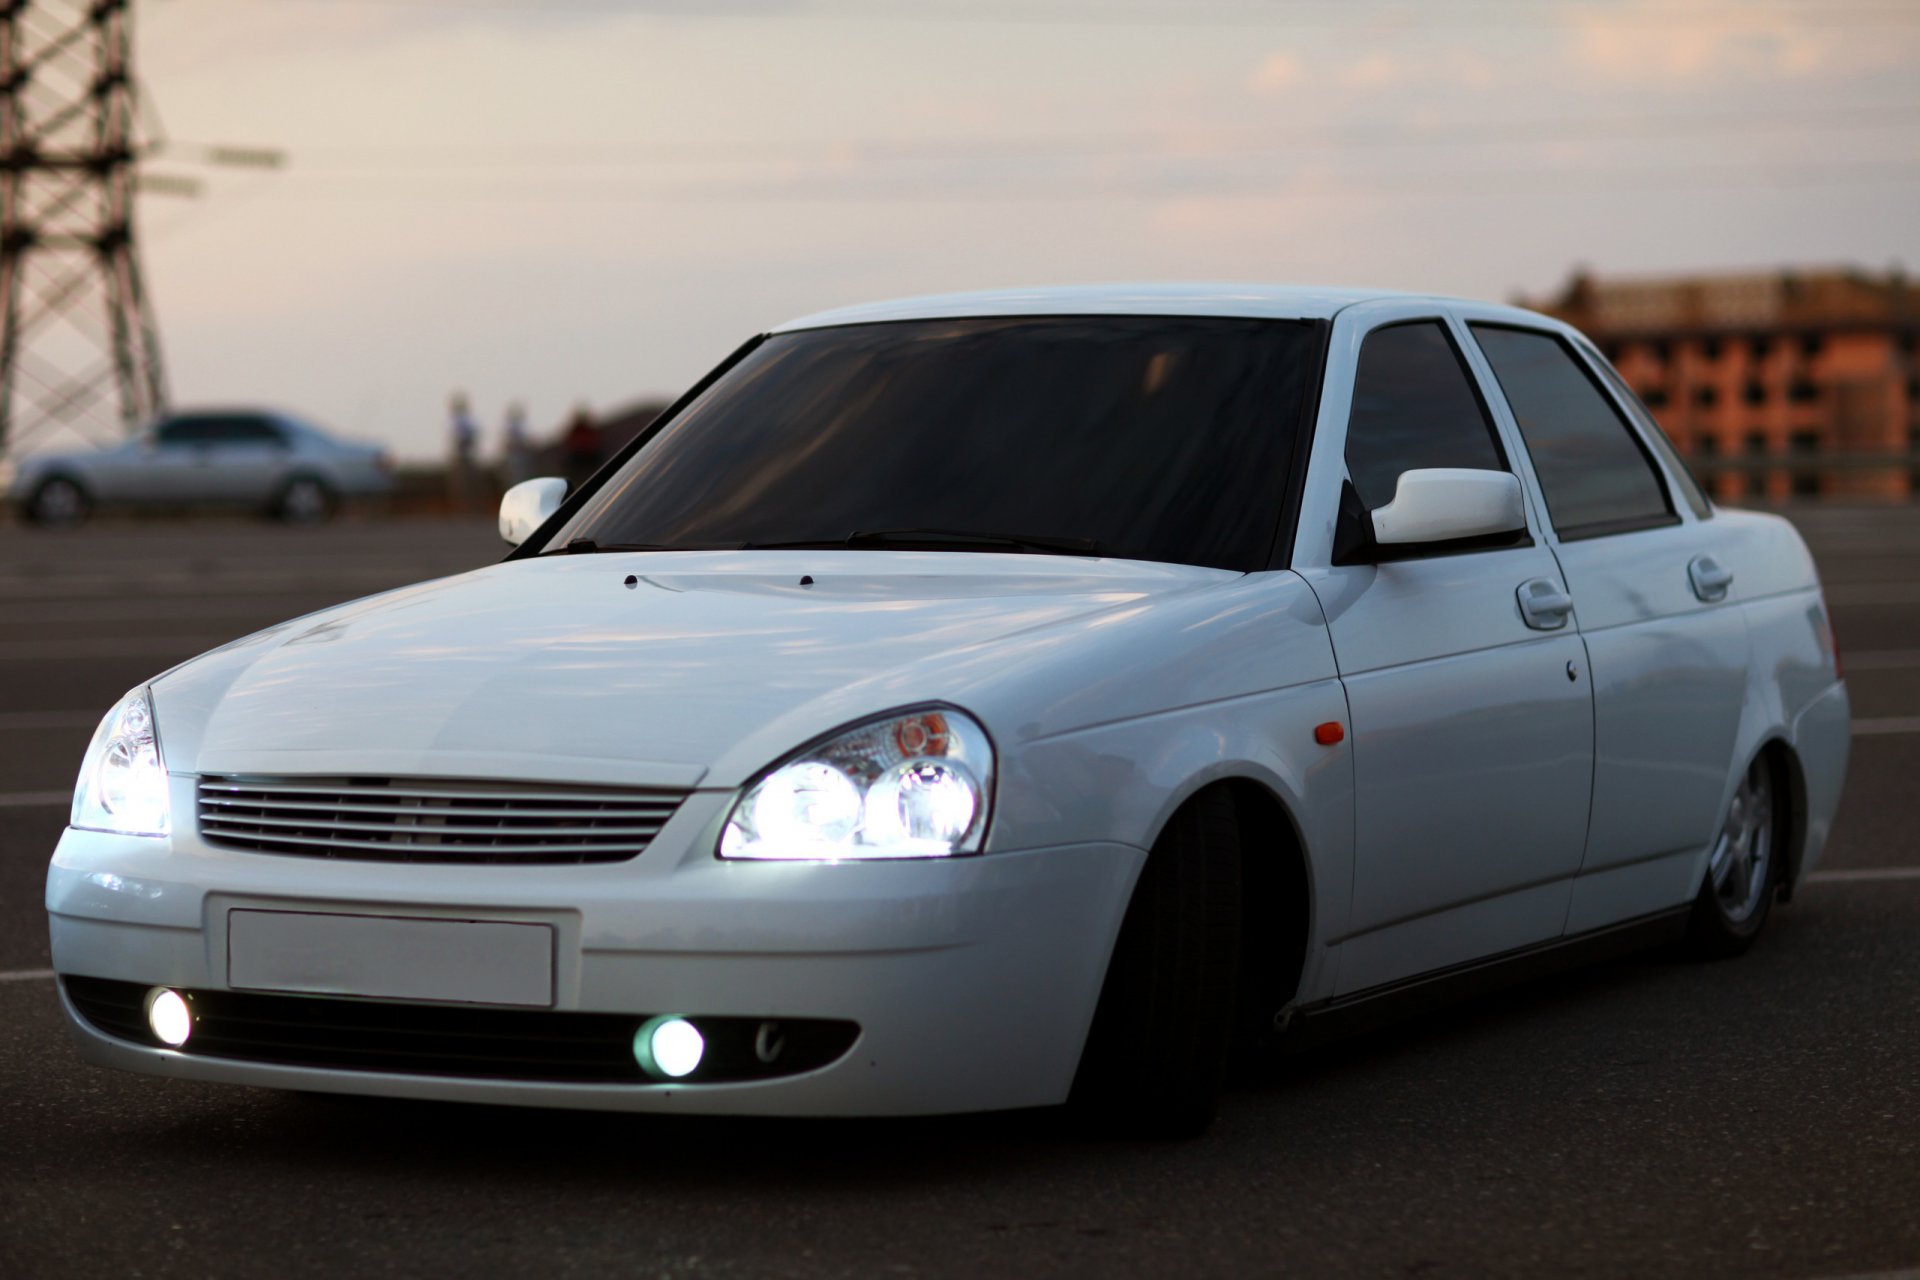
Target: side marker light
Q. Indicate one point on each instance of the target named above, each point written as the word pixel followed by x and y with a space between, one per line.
pixel 1329 733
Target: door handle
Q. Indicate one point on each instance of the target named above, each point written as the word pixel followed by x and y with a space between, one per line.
pixel 1710 578
pixel 1544 606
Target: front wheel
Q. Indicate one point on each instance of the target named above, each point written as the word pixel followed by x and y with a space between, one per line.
pixel 58 502
pixel 1156 1055
pixel 1743 870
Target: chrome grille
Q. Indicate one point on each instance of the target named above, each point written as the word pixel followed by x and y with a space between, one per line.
pixel 431 819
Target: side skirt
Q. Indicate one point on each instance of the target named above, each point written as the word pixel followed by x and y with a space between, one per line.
pixel 1340 1016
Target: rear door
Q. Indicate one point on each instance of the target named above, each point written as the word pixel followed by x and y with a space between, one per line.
pixel 1471 726
pixel 1667 646
pixel 246 460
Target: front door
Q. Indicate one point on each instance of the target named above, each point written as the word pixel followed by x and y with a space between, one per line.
pixel 1471 719
pixel 246 460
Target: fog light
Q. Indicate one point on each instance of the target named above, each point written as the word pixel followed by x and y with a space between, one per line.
pixel 669 1047
pixel 169 1017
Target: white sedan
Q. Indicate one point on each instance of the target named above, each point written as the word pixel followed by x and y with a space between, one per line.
pixel 268 461
pixel 988 701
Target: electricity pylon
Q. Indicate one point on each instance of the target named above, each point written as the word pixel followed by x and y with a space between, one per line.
pixel 78 344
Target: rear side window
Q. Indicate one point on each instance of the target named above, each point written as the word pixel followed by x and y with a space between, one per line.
pixel 1594 474
pixel 1650 432
pixel 252 431
pixel 1414 407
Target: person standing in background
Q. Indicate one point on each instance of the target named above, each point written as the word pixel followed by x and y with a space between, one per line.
pixel 464 438
pixel 581 445
pixel 516 451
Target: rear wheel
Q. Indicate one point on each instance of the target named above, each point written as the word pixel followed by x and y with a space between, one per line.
pixel 305 500
pixel 1157 1052
pixel 1743 870
pixel 59 501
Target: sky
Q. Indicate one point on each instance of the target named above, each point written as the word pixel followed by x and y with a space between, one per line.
pixel 582 202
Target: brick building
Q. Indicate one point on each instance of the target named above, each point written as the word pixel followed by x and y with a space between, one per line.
pixel 1796 382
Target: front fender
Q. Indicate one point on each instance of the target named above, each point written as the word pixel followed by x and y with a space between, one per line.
pixel 1123 782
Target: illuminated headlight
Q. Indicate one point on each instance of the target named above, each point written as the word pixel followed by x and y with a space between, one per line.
pixel 123 783
pixel 911 785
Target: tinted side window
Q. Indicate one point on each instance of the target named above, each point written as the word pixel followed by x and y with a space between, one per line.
pixel 1651 432
pixel 181 431
pixel 1595 476
pixel 1413 407
pixel 251 431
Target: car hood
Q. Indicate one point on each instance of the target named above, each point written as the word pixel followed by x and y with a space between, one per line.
pixel 656 669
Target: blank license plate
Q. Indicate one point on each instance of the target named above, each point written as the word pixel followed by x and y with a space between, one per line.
pixel 401 958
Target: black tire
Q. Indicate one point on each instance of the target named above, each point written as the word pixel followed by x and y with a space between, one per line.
pixel 1718 930
pixel 1157 1053
pixel 305 499
pixel 59 502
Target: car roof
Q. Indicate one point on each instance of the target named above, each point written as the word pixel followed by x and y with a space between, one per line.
pixel 1260 301
pixel 219 411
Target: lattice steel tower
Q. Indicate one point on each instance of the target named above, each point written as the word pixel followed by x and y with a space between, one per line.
pixel 78 345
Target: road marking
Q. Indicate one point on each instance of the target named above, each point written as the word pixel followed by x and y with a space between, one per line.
pixel 1881 659
pixel 1886 724
pixel 28 799
pixel 1868 875
pixel 25 975
pixel 10 720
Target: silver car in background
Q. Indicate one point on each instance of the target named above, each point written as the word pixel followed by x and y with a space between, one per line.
pixel 248 458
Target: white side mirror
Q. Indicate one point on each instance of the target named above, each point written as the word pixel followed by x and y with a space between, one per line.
pixel 526 506
pixel 1443 504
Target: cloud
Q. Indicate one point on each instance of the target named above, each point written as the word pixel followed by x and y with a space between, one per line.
pixel 1375 71
pixel 1693 43
pixel 1276 74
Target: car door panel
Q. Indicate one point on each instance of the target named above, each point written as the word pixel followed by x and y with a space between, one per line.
pixel 171 471
pixel 1670 676
pixel 242 471
pixel 245 462
pixel 172 464
pixel 1471 731
pixel 1472 758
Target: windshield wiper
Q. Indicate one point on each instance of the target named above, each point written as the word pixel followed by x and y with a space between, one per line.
pixel 939 539
pixel 588 547
pixel 965 538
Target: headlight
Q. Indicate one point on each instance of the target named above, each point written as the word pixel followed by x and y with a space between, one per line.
pixel 910 785
pixel 123 784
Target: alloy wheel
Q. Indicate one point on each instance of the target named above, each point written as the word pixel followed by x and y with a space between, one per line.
pixel 59 502
pixel 304 502
pixel 1741 868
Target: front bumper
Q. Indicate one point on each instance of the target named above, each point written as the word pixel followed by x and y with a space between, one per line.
pixel 973 980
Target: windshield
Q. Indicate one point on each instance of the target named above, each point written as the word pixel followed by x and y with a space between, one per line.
pixel 1139 437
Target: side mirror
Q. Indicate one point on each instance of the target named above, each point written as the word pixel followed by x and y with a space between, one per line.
pixel 526 506
pixel 1445 504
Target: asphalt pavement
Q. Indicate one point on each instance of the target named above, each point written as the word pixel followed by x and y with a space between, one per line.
pixel 1756 1117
